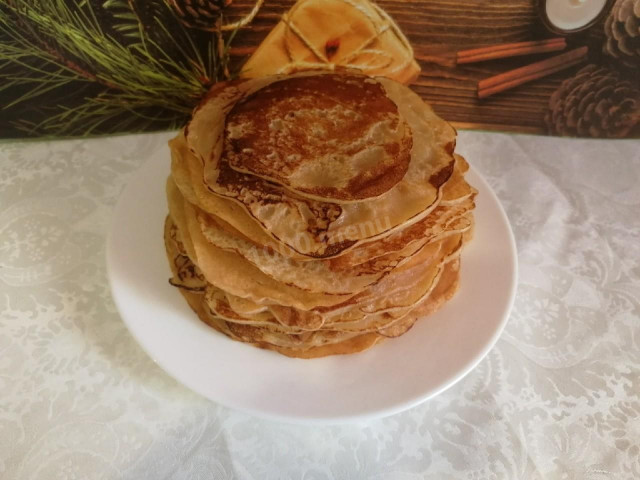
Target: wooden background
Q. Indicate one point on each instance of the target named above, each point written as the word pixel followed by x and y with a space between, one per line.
pixel 436 29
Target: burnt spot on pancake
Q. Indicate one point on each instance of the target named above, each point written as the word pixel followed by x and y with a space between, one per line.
pixel 450 147
pixel 441 176
pixel 187 275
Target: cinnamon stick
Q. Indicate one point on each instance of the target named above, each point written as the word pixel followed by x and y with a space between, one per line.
pixel 513 78
pixel 510 50
pixel 505 46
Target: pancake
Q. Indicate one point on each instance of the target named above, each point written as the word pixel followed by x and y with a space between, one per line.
pixel 318 276
pixel 351 145
pixel 379 305
pixel 230 272
pixel 186 171
pixel 229 213
pixel 309 276
pixel 443 291
pixel 316 228
pixel 330 342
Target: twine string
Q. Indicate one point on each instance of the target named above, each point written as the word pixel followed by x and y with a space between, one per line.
pixel 244 21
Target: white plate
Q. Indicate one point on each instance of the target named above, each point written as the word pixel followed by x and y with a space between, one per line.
pixel 393 376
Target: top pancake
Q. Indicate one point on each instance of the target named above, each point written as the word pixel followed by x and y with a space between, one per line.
pixel 333 138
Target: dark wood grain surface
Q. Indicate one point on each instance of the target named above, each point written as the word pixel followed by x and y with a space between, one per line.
pixel 436 29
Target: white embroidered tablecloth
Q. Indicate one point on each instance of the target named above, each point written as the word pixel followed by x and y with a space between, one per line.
pixel 557 398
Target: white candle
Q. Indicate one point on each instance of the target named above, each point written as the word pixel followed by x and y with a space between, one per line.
pixel 573 14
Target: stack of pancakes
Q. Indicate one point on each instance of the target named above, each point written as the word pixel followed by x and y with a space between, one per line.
pixel 316 214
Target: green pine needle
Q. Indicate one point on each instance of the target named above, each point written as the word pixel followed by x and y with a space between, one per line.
pixel 54 43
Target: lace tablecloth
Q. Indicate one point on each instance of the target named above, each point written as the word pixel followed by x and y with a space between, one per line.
pixel 557 398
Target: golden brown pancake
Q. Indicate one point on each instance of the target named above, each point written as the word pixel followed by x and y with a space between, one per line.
pixel 326 137
pixel 319 228
pixel 232 273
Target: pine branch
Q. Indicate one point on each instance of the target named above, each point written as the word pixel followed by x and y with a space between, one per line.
pixel 53 44
pixel 125 20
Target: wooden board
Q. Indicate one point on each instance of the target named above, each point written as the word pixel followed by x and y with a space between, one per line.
pixel 438 28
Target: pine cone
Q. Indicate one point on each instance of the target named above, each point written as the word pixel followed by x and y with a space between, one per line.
pixel 596 102
pixel 623 32
pixel 200 14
